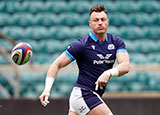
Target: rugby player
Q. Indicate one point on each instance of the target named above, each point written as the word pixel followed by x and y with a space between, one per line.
pixel 95 55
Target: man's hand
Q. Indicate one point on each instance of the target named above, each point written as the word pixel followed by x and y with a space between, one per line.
pixel 102 80
pixel 44 98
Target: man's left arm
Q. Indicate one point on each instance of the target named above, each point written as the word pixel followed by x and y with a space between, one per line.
pixel 123 66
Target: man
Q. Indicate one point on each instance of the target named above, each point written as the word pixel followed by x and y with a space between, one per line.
pixel 95 55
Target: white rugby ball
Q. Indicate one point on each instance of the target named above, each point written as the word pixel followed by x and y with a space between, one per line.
pixel 21 53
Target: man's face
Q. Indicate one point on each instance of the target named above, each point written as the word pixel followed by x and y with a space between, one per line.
pixel 98 22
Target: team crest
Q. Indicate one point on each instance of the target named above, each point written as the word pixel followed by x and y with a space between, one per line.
pixel 111 47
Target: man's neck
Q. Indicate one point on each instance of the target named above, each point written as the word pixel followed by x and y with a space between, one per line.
pixel 101 37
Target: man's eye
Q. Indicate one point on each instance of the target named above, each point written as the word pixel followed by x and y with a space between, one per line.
pixel 103 19
pixel 95 20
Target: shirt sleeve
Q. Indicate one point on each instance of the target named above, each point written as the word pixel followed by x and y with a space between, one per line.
pixel 74 50
pixel 120 46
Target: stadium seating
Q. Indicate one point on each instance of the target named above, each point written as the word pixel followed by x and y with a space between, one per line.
pixel 156 18
pixel 3 60
pixel 126 6
pixel 22 19
pixel 140 19
pixel 5 19
pixel 15 32
pixel 154 58
pixel 45 19
pixel 56 7
pixel 69 19
pixel 131 32
pixel 153 83
pixel 152 32
pixel 42 58
pixel 149 6
pixel 79 31
pixel 142 46
pixel 6 45
pixel 114 87
pixel 10 6
pixel 2 79
pixel 118 19
pixel 51 25
pixel 137 87
pixel 37 32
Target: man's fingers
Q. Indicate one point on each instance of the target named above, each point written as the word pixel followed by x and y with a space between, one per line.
pixel 42 98
pixel 44 104
pixel 100 84
pixel 44 101
pixel 46 98
pixel 101 87
pixel 97 85
pixel 96 88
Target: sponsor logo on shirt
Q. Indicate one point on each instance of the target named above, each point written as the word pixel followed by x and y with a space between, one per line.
pixel 103 59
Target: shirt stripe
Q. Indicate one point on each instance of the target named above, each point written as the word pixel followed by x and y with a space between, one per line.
pixel 69 55
pixel 91 34
pixel 121 50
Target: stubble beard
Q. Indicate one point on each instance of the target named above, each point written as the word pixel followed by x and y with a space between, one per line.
pixel 100 33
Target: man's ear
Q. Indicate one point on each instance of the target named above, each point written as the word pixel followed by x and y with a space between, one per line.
pixel 89 23
pixel 108 21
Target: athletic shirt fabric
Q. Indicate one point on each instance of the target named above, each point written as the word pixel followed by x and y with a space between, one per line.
pixel 94 57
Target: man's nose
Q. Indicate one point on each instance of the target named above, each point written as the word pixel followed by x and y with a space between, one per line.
pixel 99 22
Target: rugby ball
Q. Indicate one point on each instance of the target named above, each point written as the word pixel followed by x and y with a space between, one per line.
pixel 21 53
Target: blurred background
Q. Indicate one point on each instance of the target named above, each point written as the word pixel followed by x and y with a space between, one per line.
pixel 49 26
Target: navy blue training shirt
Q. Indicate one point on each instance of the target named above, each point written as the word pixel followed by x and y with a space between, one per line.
pixel 94 57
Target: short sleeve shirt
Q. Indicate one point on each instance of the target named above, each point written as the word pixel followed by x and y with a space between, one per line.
pixel 94 57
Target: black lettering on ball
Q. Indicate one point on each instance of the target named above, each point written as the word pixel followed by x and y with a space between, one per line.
pixel 29 55
pixel 15 58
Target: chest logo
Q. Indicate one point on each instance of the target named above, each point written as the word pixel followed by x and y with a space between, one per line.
pixel 104 57
pixel 111 47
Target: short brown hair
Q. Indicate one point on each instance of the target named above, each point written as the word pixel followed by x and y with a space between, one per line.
pixel 97 8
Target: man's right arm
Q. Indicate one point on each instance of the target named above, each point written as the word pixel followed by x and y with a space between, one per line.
pixel 59 63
